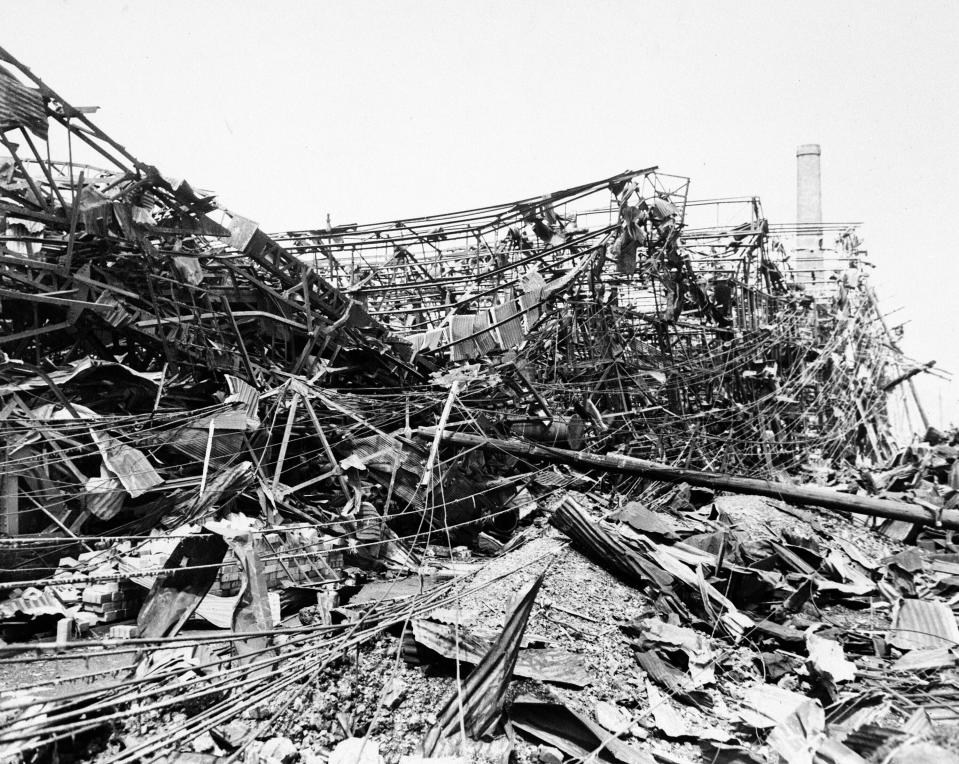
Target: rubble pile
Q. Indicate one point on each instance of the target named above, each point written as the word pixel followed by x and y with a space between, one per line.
pixel 559 478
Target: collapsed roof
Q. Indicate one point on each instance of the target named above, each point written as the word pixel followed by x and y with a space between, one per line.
pixel 205 421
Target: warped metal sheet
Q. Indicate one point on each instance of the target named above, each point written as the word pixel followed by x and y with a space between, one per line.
pixel 573 733
pixel 481 699
pixel 546 664
pixel 32 602
pixel 921 624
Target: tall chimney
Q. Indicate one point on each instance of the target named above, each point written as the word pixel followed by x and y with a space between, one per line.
pixel 809 211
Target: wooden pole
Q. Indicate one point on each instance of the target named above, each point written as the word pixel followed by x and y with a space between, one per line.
pixel 334 462
pixel 797 494
pixel 438 434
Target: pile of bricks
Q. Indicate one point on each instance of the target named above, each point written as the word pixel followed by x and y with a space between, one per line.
pixel 227 583
pixel 113 601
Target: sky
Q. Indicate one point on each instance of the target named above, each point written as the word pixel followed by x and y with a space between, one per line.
pixel 371 111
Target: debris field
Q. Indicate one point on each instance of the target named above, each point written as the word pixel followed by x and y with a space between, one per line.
pixel 582 476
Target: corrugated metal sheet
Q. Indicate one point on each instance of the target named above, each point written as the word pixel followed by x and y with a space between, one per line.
pixel 118 316
pixel 530 302
pixel 21 106
pixel 574 734
pixel 244 393
pixel 550 479
pixel 870 738
pixel 533 285
pixel 661 209
pixel 929 658
pixel 479 703
pixel 129 464
pixel 383 455
pixel 545 664
pixel 510 333
pixel 32 602
pixel 461 331
pixel 922 624
pixel 104 495
pixel 485 341
pixel 426 340
pixel 228 431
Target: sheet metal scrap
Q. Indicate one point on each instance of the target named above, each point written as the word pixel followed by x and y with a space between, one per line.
pixel 924 624
pixel 176 595
pixel 543 663
pixel 476 707
pixel 555 724
pixel 609 547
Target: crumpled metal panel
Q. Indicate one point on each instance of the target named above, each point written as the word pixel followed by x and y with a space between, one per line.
pixel 129 464
pixel 244 393
pixel 574 734
pixel 104 495
pixel 32 602
pixel 478 705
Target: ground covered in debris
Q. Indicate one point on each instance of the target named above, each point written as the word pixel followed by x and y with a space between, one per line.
pixel 752 698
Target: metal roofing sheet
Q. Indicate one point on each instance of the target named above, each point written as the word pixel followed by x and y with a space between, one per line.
pixel 21 106
pixel 921 624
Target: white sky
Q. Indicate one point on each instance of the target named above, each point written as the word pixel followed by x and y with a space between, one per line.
pixel 377 110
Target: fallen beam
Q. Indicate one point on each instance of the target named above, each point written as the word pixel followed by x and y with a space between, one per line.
pixel 796 494
pixel 907 376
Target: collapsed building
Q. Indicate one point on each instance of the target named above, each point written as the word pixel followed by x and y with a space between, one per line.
pixel 236 464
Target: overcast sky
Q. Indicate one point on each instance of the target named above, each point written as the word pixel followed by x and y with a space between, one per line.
pixel 376 110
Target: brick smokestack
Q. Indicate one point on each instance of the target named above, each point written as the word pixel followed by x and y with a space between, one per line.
pixel 809 210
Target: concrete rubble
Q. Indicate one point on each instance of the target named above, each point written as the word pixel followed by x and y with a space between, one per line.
pixel 575 476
